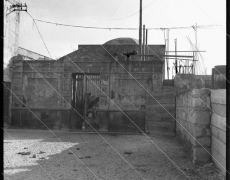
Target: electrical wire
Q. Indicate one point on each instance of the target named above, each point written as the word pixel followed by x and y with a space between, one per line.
pixel 40 34
pixel 116 28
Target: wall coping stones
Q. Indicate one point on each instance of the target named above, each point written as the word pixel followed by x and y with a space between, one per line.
pixel 201 91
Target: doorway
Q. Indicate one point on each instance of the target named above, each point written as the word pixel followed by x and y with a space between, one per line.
pixel 85 100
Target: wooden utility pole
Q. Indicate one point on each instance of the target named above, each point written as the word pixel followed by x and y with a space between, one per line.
pixel 85 100
pixel 167 48
pixel 176 55
pixel 146 43
pixel 196 47
pixel 143 49
pixel 140 31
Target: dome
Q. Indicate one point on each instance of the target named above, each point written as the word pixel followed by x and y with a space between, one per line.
pixel 122 41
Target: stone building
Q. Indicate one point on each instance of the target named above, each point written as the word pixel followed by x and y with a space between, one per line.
pixel 106 84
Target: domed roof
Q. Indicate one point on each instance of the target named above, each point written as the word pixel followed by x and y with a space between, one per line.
pixel 122 41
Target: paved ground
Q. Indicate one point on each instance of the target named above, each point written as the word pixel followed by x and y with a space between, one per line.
pixel 88 156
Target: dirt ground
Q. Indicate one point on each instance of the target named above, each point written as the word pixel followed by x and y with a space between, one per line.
pixel 36 154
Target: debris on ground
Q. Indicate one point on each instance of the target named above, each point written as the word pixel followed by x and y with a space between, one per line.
pixel 87 157
pixel 34 156
pixel 41 152
pixel 84 157
pixel 70 153
pixel 127 152
pixel 146 158
pixel 24 153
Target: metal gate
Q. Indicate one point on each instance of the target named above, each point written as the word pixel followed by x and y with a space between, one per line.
pixel 85 97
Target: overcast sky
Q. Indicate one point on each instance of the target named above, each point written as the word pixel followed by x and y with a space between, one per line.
pixel 62 40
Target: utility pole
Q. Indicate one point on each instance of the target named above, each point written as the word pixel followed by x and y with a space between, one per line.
pixel 196 47
pixel 195 53
pixel 143 49
pixel 167 48
pixel 140 31
pixel 146 43
pixel 175 55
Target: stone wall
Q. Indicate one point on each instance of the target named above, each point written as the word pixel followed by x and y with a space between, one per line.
pixel 218 128
pixel 193 122
pixel 127 103
pixel 160 111
pixel 117 87
pixel 201 116
pixel 34 97
pixel 122 98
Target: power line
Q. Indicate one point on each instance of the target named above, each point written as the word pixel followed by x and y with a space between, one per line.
pixel 40 34
pixel 116 28
pixel 87 27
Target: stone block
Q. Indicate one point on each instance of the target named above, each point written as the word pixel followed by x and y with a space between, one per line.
pixel 218 96
pixel 218 121
pixel 201 141
pixel 203 91
pixel 219 146
pixel 183 80
pixel 219 109
pixel 219 160
pixel 200 131
pixel 201 154
pixel 200 117
pixel 201 102
pixel 218 133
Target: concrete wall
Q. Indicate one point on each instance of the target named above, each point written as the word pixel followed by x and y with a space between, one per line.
pixel 193 122
pixel 218 128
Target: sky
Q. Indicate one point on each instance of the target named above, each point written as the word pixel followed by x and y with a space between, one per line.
pixel 61 40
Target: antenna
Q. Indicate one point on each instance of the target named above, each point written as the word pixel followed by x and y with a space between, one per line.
pixel 16 7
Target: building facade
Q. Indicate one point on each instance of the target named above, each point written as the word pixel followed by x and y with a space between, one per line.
pixel 99 83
